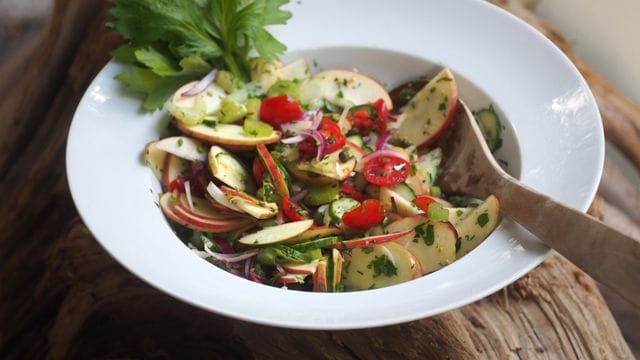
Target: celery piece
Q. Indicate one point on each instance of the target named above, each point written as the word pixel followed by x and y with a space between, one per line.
pixel 436 212
pixel 231 111
pixel 224 79
pixel 257 128
pixel 323 194
pixel 285 87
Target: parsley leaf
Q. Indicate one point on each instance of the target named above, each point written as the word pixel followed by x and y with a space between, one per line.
pixel 172 42
pixel 382 266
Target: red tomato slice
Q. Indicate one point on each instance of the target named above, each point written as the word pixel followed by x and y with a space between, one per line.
pixel 331 133
pixel 423 202
pixel 293 211
pixel 386 170
pixel 348 190
pixel 368 214
pixel 278 110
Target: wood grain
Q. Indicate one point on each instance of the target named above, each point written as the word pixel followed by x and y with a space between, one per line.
pixel 63 296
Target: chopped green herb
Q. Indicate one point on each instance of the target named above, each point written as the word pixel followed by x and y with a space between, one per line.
pixel 367 250
pixel 382 265
pixel 483 219
pixel 180 142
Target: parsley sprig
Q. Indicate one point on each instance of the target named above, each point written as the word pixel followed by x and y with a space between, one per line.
pixel 171 42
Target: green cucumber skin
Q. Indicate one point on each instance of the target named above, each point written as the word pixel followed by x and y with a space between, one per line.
pixel 491 127
pixel 323 194
pixel 341 206
pixel 405 191
pixel 317 244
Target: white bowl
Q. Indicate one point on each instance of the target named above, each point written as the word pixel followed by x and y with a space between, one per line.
pixel 554 144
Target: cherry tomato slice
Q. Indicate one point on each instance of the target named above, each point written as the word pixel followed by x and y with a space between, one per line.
pixel 386 170
pixel 368 214
pixel 423 202
pixel 348 190
pixel 331 133
pixel 293 211
pixel 280 109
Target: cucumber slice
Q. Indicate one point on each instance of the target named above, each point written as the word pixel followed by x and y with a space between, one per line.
pixel 340 207
pixel 228 169
pixel 356 139
pixel 319 195
pixel 316 244
pixel 429 165
pixel 491 127
pixel 405 191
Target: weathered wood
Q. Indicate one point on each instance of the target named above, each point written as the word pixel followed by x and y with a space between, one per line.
pixel 63 296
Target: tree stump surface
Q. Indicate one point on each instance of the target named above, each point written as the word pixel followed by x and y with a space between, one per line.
pixel 63 296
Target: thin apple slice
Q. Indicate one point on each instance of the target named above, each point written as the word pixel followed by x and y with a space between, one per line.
pixel 203 208
pixel 183 147
pixel 335 278
pixel 330 166
pixel 230 136
pixel 378 266
pixel 402 206
pixel 154 158
pixel 308 177
pixel 320 283
pixel 276 234
pixel 343 88
pixel 477 224
pixel 314 233
pixel 370 240
pixel 228 169
pixel 301 269
pixel 433 244
pixel 173 168
pixel 174 211
pixel 290 279
pixel 429 112
pixel 252 206
pixel 277 177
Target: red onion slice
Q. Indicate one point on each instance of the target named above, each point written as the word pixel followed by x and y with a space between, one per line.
pixel 202 84
pixel 293 140
pixel 223 245
pixel 320 141
pixel 299 196
pixel 382 140
pixel 315 120
pixel 231 258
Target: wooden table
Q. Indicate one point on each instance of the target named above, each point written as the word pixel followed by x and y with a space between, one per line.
pixel 63 296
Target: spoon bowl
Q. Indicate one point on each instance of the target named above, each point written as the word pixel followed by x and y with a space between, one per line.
pixel 604 253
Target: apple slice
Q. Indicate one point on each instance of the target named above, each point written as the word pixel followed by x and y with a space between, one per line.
pixel 290 279
pixel 378 266
pixel 301 269
pixel 320 277
pixel 370 240
pixel 228 169
pixel 314 233
pixel 175 211
pixel 229 135
pixel 247 203
pixel 183 147
pixel 403 207
pixel 335 278
pixel 277 177
pixel 276 234
pixel 477 224
pixel 343 88
pixel 173 168
pixel 154 158
pixel 203 208
pixel 330 166
pixel 429 112
pixel 309 177
pixel 433 244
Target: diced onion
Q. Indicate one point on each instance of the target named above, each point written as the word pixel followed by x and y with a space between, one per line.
pixel 202 84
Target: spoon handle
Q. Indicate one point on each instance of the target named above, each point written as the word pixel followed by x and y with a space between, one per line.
pixel 604 253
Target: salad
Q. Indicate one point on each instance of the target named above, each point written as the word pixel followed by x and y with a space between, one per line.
pixel 322 182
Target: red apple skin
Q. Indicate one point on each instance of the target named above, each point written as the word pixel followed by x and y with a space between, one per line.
pixel 165 206
pixel 207 225
pixel 219 215
pixel 370 240
pixel 232 192
pixel 338 262
pixel 167 175
pixel 298 271
pixel 228 144
pixel 270 165
pixel 320 278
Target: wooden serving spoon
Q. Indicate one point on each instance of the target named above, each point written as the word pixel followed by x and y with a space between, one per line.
pixel 604 253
